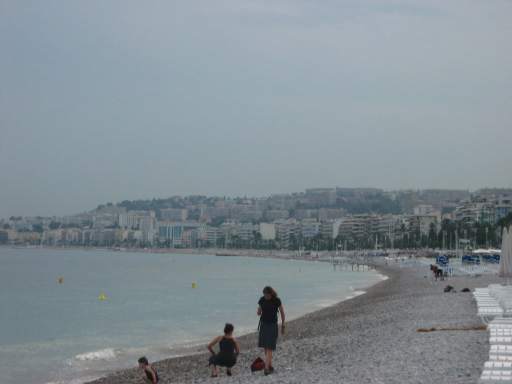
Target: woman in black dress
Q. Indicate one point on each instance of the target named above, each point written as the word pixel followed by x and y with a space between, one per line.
pixel 229 350
pixel 268 306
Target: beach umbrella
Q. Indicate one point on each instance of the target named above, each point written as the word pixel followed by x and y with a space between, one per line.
pixel 505 250
pixel 505 269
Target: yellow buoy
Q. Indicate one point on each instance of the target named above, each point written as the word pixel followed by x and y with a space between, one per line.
pixel 102 297
pixel 60 280
pixel 194 285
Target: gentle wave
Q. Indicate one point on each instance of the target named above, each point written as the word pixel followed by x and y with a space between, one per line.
pixel 326 303
pixel 354 294
pixel 102 354
pixel 81 380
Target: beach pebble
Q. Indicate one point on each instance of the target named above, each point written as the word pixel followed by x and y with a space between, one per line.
pixel 372 338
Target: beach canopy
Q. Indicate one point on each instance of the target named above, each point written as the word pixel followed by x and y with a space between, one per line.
pixel 487 251
pixel 505 269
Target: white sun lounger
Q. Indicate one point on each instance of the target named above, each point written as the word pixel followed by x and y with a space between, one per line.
pixel 501 349
pixel 493 303
pixel 496 376
pixel 502 320
pixel 500 339
pixel 487 303
pixel 488 308
pixel 490 311
pixel 498 365
pixel 500 357
pixel 500 323
pixel 497 371
pixel 485 298
pixel 500 331
pixel 495 332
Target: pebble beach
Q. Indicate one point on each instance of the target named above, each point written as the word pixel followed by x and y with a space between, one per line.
pixel 372 338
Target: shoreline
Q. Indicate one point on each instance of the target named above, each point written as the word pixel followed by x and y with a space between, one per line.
pixel 221 252
pixel 371 338
pixel 198 348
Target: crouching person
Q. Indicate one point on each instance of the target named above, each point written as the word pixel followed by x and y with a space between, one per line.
pixel 150 372
pixel 228 351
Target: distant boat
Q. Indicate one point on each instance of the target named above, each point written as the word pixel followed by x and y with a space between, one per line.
pixel 224 254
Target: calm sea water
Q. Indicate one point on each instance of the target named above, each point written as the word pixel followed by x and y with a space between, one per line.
pixel 53 332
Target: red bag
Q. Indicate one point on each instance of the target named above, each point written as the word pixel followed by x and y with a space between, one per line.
pixel 257 365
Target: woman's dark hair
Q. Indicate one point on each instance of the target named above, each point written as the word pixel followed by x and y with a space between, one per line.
pixel 268 290
pixel 228 328
pixel 143 360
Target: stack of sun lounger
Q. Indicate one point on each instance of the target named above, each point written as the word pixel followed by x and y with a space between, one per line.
pixel 487 303
pixel 494 303
pixel 498 369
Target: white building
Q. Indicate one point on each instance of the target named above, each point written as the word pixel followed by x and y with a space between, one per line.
pixel 268 231
pixel 286 231
pixel 243 231
pixel 329 229
pixel 136 219
pixel 144 221
pixel 423 223
pixel 212 235
pixel 177 234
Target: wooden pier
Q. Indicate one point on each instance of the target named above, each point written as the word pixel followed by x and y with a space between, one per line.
pixel 352 264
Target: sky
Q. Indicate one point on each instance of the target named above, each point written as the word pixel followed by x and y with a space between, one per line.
pixel 102 101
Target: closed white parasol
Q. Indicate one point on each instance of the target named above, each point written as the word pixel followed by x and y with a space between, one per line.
pixel 505 269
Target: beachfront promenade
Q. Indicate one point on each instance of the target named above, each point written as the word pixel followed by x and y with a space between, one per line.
pixel 372 338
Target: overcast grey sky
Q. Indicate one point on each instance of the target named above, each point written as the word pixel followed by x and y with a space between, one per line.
pixel 110 100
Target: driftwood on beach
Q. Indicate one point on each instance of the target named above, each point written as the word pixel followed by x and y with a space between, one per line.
pixel 461 328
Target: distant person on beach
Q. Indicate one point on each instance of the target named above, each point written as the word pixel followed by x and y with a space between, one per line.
pixel 151 374
pixel 229 350
pixel 437 272
pixel 268 306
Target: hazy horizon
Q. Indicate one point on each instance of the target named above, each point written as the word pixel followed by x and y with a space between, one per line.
pixel 107 101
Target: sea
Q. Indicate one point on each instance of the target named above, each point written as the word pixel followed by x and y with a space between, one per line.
pixel 70 315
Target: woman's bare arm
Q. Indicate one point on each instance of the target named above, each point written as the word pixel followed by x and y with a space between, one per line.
pixel 153 375
pixel 237 346
pixel 212 343
pixel 259 311
pixel 283 317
